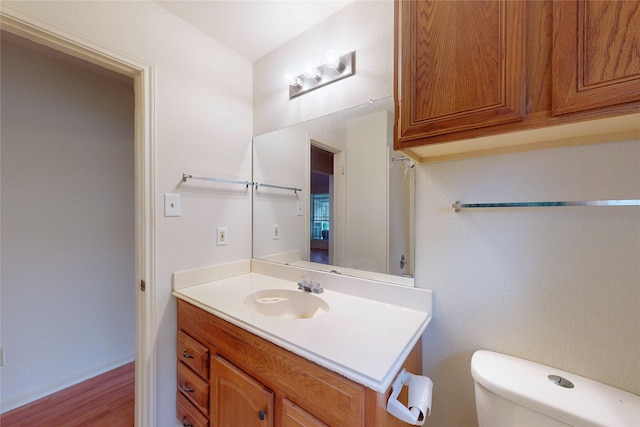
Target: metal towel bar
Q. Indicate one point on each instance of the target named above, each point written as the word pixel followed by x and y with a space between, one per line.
pixel 295 190
pixel 459 205
pixel 186 176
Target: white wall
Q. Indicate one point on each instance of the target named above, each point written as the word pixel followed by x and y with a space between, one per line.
pixel 202 126
pixel 363 26
pixel 559 286
pixel 68 276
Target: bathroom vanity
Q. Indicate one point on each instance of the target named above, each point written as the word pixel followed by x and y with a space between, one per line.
pixel 253 349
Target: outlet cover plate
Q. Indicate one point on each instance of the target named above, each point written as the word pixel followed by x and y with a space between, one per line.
pixel 222 238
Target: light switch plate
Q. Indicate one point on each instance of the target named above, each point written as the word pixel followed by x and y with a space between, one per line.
pixel 299 208
pixel 275 235
pixel 172 204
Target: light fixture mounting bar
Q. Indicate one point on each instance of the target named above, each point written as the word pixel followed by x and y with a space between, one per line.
pixel 326 75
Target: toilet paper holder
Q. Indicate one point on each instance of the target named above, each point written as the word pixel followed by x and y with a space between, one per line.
pixel 419 401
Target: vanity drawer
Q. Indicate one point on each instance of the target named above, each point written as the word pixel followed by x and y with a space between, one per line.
pixel 194 387
pixel 188 415
pixel 193 354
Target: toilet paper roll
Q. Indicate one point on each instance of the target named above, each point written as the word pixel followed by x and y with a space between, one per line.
pixel 419 401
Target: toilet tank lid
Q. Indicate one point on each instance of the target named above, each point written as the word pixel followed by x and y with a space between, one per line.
pixel 588 403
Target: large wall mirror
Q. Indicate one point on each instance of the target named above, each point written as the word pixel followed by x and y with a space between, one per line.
pixel 332 195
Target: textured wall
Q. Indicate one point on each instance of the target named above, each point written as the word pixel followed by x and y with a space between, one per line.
pixel 559 286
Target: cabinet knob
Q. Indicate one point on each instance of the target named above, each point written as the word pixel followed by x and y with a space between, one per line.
pixel 186 355
pixel 262 415
pixel 186 388
pixel 185 423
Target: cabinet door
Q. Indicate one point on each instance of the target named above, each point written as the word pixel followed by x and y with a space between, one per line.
pixel 237 399
pixel 295 416
pixel 460 65
pixel 596 54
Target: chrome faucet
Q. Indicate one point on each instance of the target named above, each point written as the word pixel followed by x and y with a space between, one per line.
pixel 307 285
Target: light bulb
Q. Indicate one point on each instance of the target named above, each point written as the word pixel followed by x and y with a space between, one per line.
pixel 310 70
pixel 291 79
pixel 331 59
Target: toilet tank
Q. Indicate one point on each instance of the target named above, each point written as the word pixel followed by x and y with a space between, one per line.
pixel 515 392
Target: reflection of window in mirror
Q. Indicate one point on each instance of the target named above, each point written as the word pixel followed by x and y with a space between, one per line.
pixel 321 204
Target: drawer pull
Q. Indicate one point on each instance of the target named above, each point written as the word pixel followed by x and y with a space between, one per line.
pixel 262 415
pixel 185 423
pixel 186 388
pixel 186 355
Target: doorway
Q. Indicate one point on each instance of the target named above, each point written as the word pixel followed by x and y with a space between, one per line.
pixel 321 205
pixel 15 22
pixel 68 221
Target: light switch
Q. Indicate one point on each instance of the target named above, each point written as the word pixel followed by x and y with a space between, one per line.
pixel 275 234
pixel 171 204
pixel 299 208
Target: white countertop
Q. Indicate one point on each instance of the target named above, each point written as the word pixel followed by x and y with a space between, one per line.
pixel 362 339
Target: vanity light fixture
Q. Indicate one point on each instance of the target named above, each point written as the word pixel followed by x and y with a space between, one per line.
pixel 335 68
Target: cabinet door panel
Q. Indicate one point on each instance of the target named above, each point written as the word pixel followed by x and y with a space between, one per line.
pixel 462 65
pixel 237 399
pixel 596 54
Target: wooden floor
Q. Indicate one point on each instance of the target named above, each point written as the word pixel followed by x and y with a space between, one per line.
pixel 106 400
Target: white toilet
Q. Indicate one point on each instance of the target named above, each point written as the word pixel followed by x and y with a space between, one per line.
pixel 516 392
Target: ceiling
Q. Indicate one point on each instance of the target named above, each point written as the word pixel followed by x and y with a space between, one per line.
pixel 253 28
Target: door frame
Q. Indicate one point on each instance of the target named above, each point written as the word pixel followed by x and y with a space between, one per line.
pixel 337 242
pixel 17 22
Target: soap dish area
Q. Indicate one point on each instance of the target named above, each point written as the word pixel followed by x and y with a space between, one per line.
pixel 287 304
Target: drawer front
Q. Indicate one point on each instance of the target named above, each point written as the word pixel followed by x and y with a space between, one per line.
pixel 194 387
pixel 193 354
pixel 188 415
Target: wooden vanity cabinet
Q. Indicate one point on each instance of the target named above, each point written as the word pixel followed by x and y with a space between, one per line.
pixel 254 382
pixel 469 69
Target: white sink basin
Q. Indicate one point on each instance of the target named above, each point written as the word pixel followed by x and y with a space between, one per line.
pixel 287 304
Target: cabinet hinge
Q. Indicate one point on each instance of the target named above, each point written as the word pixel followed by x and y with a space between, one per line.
pixel 143 285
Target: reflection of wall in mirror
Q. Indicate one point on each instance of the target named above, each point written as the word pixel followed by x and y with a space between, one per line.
pixel 279 159
pixel 366 201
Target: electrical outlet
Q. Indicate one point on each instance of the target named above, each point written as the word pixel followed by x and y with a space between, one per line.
pixel 275 235
pixel 222 236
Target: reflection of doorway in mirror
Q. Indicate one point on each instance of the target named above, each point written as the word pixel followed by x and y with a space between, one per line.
pixel 323 203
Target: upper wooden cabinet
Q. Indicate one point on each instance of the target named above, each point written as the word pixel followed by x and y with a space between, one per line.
pixel 596 54
pixel 482 77
pixel 462 65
